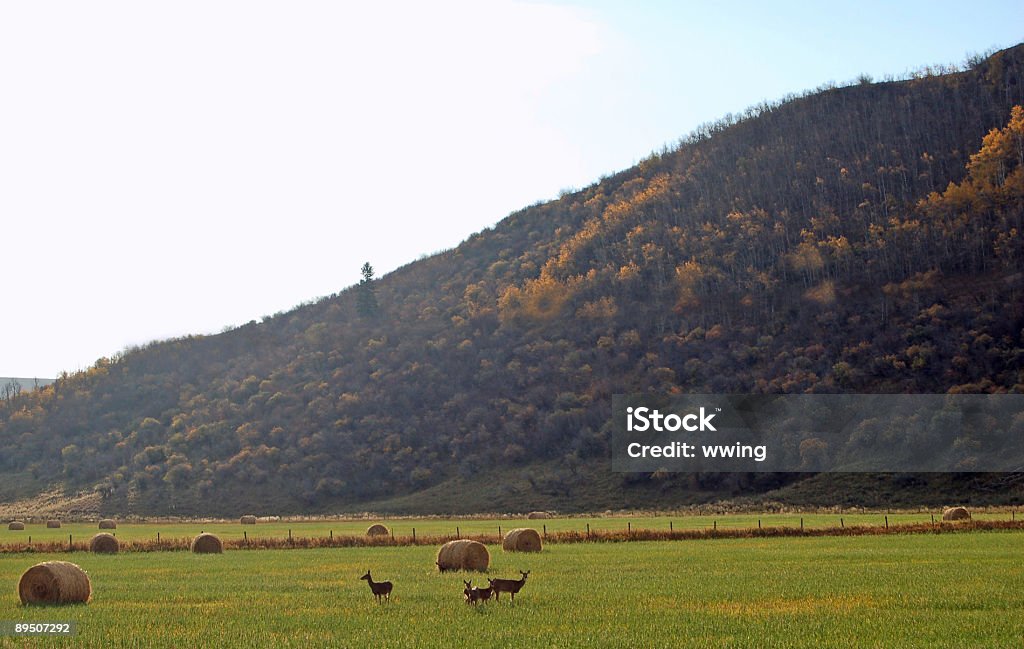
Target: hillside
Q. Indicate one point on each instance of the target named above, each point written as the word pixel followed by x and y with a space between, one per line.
pixel 13 384
pixel 858 239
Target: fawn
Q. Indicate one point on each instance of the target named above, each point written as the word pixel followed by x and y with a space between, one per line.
pixel 379 588
pixel 473 595
pixel 484 593
pixel 510 586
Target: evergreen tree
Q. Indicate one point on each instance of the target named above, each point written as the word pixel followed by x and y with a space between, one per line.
pixel 366 301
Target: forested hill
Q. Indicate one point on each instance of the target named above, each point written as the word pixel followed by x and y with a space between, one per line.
pixel 859 239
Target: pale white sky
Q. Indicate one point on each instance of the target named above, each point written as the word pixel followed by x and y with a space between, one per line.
pixel 178 167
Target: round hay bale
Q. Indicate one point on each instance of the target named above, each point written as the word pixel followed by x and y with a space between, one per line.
pixel 108 524
pixel 377 530
pixel 15 525
pixel 524 539
pixel 463 554
pixel 207 543
pixel 247 520
pixel 53 524
pixel 956 514
pixel 54 582
pixel 104 543
pixel 537 515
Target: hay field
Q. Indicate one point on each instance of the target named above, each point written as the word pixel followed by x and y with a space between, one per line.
pixel 951 590
pixel 403 527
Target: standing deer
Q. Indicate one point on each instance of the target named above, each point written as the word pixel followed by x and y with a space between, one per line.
pixel 510 586
pixel 379 588
pixel 484 593
pixel 473 595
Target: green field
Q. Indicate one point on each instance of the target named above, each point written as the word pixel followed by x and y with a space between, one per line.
pixel 403 527
pixel 949 590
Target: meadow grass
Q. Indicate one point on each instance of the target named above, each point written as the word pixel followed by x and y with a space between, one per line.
pixel 232 530
pixel 962 590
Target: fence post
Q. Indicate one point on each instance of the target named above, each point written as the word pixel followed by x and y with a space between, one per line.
pixel 499 532
pixel 801 524
pixel 458 534
pixel 715 525
pixel 841 522
pixel 629 527
pixel 886 522
pixel 70 547
pixel 759 523
pixel 414 535
pixel 245 538
pixel 545 530
pixel 588 530
pixel 670 526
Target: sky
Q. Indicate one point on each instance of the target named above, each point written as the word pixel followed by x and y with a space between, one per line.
pixel 183 167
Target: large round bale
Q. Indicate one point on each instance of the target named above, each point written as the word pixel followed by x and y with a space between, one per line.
pixel 524 539
pixel 463 554
pixel 15 525
pixel 207 543
pixel 54 582
pixel 377 530
pixel 537 515
pixel 248 519
pixel 956 514
pixel 53 524
pixel 104 543
pixel 108 524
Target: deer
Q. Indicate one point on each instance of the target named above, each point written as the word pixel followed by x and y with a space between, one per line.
pixel 484 593
pixel 510 586
pixel 473 595
pixel 378 588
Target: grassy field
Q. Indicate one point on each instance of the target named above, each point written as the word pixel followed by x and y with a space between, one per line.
pixel 39 533
pixel 952 590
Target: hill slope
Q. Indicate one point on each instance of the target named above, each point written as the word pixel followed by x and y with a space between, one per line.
pixel 9 385
pixel 842 241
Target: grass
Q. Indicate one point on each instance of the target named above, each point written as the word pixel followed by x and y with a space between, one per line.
pixel 233 531
pixel 893 591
